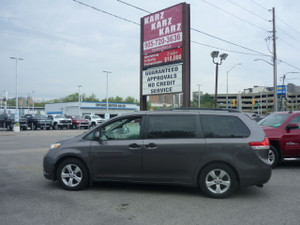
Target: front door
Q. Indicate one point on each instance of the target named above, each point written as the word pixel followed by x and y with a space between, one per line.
pixel 291 140
pixel 117 154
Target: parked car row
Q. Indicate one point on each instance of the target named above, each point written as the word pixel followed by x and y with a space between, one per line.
pixel 52 121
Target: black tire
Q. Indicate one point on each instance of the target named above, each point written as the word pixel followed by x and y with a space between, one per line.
pixel 273 156
pixel 218 180
pixel 55 127
pixel 33 126
pixel 72 174
pixel 74 126
pixel 9 127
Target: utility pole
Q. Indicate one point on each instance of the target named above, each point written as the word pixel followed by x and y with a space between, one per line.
pixel 274 62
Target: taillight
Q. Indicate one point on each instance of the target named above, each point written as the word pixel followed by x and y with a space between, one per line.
pixel 261 144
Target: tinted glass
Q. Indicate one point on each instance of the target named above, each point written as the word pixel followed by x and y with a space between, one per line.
pixel 223 127
pixel 172 126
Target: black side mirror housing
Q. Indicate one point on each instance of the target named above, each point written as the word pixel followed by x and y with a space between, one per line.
pixel 292 126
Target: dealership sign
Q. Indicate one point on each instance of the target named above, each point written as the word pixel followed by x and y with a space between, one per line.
pixel 162 80
pixel 165 53
pixel 163 30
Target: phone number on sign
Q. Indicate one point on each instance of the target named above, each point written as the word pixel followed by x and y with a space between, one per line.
pixel 170 39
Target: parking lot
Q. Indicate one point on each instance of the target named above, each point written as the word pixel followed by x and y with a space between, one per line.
pixel 26 197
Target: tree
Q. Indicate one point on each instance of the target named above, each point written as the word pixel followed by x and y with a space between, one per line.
pixel 91 98
pixel 207 101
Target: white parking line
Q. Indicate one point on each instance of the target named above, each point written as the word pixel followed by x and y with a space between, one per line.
pixel 14 151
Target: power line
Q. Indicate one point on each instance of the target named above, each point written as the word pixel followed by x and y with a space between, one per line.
pixel 108 13
pixel 254 2
pixel 289 64
pixel 237 17
pixel 287 24
pixel 295 39
pixel 134 6
pixel 249 11
pixel 212 36
pixel 292 46
pixel 229 42
pixel 214 47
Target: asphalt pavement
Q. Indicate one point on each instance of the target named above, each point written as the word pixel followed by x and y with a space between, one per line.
pixel 26 197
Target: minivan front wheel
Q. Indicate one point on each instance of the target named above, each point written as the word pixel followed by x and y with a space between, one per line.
pixel 218 180
pixel 72 174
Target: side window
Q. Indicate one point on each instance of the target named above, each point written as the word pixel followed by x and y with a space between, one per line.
pixel 296 119
pixel 172 126
pixel 215 126
pixel 126 128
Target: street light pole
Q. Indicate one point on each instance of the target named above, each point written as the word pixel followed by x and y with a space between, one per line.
pixel 198 95
pixel 32 101
pixel 107 72
pixel 223 56
pixel 79 101
pixel 227 82
pixel 17 125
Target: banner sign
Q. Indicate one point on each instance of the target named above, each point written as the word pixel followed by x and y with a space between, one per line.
pixel 281 89
pixel 163 30
pixel 170 56
pixel 162 80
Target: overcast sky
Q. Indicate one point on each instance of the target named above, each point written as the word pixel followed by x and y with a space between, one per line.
pixel 65 44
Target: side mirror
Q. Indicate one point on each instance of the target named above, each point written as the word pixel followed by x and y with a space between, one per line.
pixel 292 126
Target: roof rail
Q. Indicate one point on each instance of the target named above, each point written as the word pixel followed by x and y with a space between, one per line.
pixel 200 109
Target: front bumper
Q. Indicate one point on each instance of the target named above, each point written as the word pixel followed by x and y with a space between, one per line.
pixel 49 168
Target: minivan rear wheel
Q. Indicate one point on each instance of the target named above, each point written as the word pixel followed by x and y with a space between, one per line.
pixel 218 180
pixel 72 174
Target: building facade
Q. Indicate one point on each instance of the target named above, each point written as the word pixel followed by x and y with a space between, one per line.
pixel 259 99
pixel 94 108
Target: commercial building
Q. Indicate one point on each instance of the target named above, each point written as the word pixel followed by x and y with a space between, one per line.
pixel 259 99
pixel 94 108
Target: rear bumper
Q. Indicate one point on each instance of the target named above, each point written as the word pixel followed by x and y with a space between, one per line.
pixel 256 176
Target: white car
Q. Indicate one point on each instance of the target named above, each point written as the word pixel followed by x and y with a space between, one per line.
pixel 94 120
pixel 59 121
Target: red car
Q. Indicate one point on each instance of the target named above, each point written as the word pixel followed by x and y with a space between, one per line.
pixel 78 122
pixel 282 130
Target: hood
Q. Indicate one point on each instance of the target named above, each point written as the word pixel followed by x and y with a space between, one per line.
pixel 80 120
pixel 272 132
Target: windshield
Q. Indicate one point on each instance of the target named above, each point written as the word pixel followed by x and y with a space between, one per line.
pixel 274 120
pixel 77 117
pixel 96 117
pixel 39 116
pixel 59 116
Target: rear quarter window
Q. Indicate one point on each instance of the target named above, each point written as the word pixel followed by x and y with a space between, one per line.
pixel 218 126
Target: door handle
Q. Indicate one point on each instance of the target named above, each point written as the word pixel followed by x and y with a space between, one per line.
pixel 134 146
pixel 151 146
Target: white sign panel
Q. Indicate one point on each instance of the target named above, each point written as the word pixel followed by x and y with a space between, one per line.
pixel 162 80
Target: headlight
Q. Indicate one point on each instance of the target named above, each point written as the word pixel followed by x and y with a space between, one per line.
pixel 56 145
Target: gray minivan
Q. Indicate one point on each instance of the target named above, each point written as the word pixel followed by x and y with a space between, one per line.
pixel 216 150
